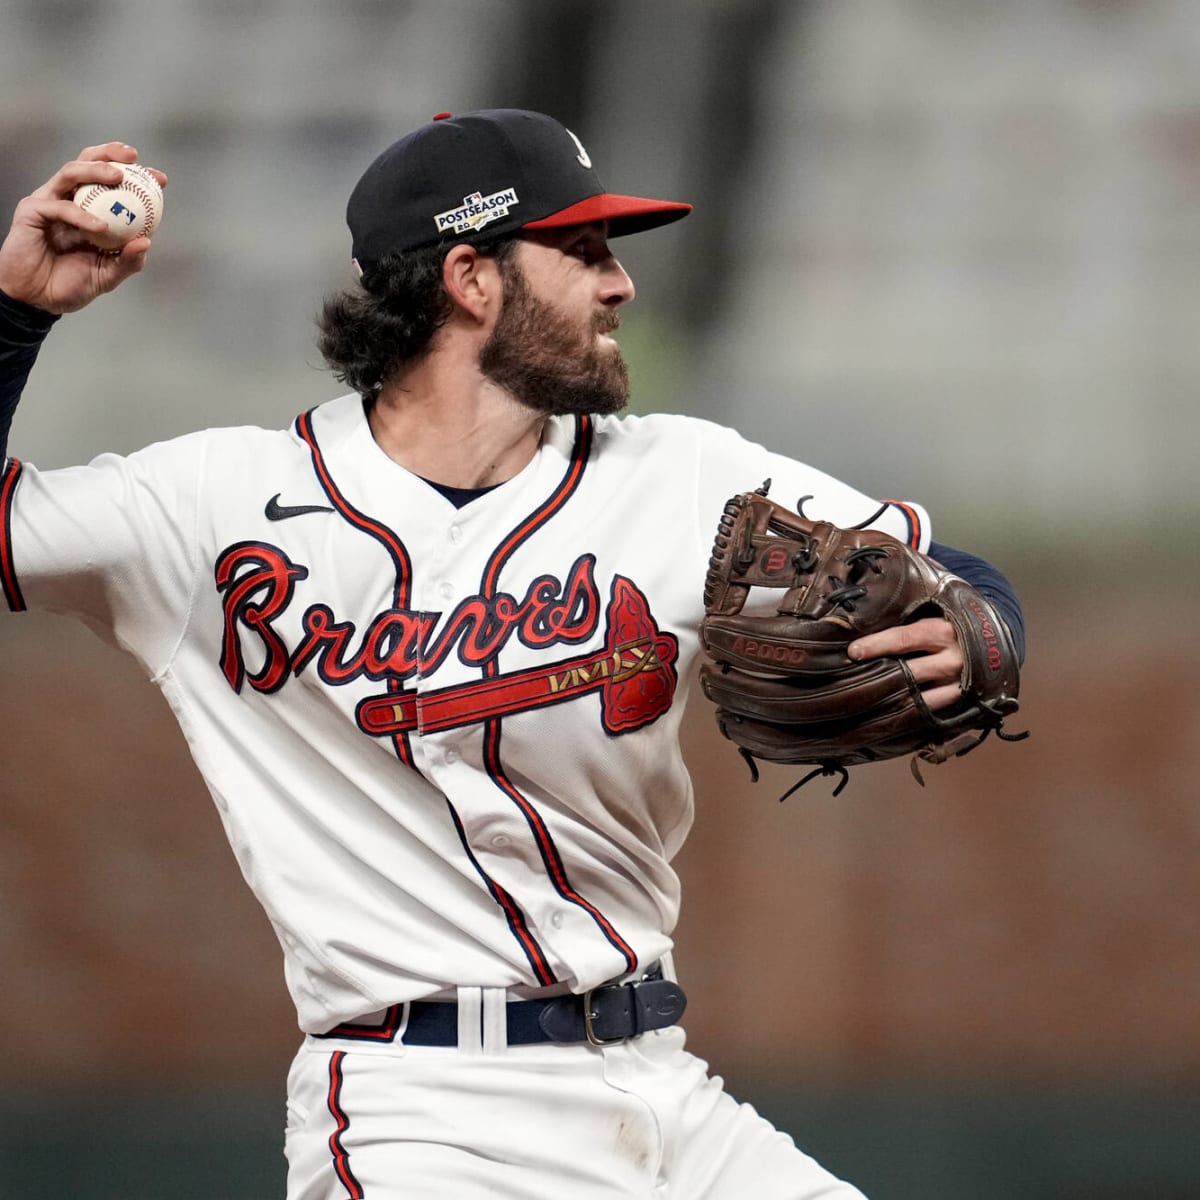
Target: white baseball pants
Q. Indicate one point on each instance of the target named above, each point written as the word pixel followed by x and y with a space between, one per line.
pixel 641 1118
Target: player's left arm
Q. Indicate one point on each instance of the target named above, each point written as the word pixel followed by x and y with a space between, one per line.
pixel 938 659
pixel 989 582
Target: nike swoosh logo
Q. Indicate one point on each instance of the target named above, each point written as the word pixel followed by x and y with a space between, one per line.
pixel 280 512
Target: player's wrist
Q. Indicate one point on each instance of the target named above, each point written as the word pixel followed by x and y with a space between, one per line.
pixel 19 317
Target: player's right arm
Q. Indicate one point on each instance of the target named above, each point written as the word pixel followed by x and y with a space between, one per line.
pixel 49 267
pixel 109 542
pixel 23 328
pixel 47 259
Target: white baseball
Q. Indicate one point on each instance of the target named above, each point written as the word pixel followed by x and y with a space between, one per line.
pixel 129 208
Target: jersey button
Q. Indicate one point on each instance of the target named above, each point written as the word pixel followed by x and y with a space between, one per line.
pixel 456 534
pixel 557 920
pixel 446 591
pixel 451 756
pixel 500 841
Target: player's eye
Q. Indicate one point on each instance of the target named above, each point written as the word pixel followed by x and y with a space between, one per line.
pixel 589 243
pixel 590 249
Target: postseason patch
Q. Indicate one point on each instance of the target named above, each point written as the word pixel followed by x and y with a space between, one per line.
pixel 475 212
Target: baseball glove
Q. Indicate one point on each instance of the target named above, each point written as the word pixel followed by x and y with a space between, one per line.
pixel 785 688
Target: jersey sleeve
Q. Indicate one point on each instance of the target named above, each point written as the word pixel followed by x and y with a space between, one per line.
pixel 112 543
pixel 730 464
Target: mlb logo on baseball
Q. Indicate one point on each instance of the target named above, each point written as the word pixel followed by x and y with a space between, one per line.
pixel 132 208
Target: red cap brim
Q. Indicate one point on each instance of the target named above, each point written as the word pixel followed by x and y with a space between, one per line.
pixel 624 214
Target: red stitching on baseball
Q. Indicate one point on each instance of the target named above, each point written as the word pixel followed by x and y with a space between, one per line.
pixel 95 190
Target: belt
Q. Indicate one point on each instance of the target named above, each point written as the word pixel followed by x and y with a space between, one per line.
pixel 606 1014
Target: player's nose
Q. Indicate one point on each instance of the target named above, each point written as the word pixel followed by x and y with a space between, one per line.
pixel 616 286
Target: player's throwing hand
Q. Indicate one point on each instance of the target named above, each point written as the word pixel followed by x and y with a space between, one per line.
pixel 48 259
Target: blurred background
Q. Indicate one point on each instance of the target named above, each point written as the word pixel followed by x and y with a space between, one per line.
pixel 947 251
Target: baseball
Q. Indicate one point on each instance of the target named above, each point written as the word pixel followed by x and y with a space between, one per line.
pixel 130 208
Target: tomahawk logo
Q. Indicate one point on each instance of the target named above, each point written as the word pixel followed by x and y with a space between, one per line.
pixel 633 673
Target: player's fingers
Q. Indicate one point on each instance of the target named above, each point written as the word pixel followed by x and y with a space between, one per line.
pixel 928 635
pixel 72 175
pixel 130 260
pixel 941 697
pixel 109 152
pixel 114 269
pixel 136 248
pixel 36 212
pixel 944 667
pixel 40 221
pixel 119 152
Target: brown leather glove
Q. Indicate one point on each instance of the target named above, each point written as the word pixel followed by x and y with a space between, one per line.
pixel 784 686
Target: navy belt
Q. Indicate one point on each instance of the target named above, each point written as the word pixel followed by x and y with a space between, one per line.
pixel 607 1014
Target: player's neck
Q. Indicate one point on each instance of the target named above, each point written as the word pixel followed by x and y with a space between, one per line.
pixel 447 422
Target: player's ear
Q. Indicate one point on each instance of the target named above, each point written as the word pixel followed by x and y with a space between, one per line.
pixel 472 281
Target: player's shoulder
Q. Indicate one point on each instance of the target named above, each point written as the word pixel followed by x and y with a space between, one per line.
pixel 234 449
pixel 677 430
pixel 218 457
pixel 681 441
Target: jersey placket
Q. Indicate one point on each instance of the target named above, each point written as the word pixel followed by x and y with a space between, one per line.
pixel 494 834
pixel 502 829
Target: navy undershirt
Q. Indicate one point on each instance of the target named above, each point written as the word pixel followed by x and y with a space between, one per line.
pixel 23 328
pixel 989 582
pixel 459 496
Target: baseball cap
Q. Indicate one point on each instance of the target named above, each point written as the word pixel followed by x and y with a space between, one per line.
pixel 494 171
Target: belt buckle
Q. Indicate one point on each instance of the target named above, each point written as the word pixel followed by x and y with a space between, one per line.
pixel 589 1016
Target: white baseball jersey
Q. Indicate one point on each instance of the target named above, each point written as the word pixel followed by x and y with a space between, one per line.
pixel 443 742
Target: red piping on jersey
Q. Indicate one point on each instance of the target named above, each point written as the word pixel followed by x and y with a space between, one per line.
pixel 395 547
pixel 914 522
pixel 341 1158
pixel 551 858
pixel 369 1033
pixel 542 514
pixel 380 532
pixel 400 557
pixel 517 925
pixel 8 572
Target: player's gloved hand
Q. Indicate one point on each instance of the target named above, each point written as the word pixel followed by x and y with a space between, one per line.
pixel 933 653
pixel 868 650
pixel 47 260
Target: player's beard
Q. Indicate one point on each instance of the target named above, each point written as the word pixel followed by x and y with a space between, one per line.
pixel 548 361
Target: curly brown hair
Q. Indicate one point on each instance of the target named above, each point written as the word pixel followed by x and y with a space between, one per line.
pixel 368 333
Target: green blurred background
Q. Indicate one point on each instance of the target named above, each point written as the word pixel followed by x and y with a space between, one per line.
pixel 945 250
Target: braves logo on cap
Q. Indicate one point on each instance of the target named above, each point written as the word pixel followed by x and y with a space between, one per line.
pixel 582 158
pixel 476 211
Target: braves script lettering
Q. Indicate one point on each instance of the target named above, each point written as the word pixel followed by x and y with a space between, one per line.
pixel 257 584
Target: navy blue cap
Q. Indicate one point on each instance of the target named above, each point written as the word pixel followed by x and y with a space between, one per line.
pixel 495 171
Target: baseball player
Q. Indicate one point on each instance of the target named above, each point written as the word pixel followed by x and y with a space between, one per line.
pixel 430 648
